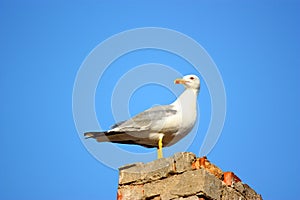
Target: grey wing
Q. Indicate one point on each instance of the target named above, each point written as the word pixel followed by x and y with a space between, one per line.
pixel 117 124
pixel 153 119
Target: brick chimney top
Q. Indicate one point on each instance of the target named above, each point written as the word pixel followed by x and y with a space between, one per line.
pixel 182 176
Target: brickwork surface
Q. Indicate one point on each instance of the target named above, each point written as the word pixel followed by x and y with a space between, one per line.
pixel 182 176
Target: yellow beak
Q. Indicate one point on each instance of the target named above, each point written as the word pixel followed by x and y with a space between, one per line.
pixel 179 81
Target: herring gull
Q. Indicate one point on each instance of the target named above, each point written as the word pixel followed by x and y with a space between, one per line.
pixel 158 126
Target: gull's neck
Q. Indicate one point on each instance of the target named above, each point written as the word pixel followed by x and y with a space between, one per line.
pixel 187 98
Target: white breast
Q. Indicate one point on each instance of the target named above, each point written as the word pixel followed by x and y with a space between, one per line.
pixel 186 105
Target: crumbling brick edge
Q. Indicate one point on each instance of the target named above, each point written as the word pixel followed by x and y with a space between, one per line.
pixel 182 176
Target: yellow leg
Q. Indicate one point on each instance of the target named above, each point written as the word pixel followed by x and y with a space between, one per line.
pixel 159 149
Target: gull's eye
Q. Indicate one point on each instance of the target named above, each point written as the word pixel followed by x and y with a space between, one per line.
pixel 192 78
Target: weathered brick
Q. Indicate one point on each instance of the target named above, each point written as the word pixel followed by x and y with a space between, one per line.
pixel 181 177
pixel 204 163
pixel 198 181
pixel 239 186
pixel 141 173
pixel 183 161
pixel 130 192
pixel 161 187
pixel 229 178
pixel 229 193
pixel 130 173
pixel 250 194
pixel 187 198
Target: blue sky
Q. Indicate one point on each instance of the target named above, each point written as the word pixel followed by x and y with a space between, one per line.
pixel 256 47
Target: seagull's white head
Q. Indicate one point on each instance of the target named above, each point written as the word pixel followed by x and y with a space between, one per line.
pixel 189 82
